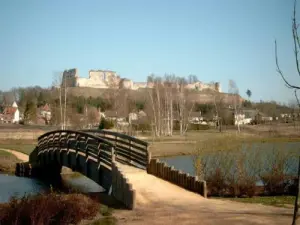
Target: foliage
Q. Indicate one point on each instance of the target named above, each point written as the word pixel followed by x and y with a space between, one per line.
pixel 249 93
pixel 105 124
pixel 48 209
pixel 247 104
pixel 29 112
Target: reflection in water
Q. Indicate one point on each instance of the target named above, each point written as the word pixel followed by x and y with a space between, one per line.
pixel 18 186
pixel 82 184
pixel 258 157
pixel 12 186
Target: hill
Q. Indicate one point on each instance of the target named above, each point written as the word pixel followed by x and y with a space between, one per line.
pixel 206 96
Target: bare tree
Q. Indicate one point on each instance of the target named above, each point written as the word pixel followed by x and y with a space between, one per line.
pixel 234 91
pixel 184 110
pixel 296 42
pixel 57 84
pixel 218 103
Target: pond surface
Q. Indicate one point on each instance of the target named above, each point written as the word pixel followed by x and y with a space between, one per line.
pixel 257 157
pixel 13 186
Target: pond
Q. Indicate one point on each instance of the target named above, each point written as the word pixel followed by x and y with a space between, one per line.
pixel 255 158
pixel 11 185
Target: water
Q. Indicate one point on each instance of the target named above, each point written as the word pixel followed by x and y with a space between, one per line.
pixel 12 186
pixel 18 186
pixel 257 157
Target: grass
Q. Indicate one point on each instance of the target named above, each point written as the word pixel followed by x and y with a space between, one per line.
pixel 7 162
pixel 24 148
pixel 193 140
pixel 278 201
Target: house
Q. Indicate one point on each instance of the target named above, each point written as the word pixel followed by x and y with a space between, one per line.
pixel 133 116
pixel 195 117
pixel 10 114
pixel 115 116
pixel 249 116
pixel 44 114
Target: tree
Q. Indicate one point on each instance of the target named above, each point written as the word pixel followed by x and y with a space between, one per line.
pixel 192 79
pixel 296 42
pixel 234 91
pixel 249 93
pixel 29 112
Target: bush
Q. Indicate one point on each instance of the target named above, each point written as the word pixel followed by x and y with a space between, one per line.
pixel 105 124
pixel 231 169
pixel 216 183
pixel 192 126
pixel 48 209
pixel 198 126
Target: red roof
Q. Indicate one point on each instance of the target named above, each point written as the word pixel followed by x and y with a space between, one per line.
pixel 9 110
pixel 45 108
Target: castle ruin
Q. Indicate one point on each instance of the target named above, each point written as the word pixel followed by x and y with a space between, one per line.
pixel 109 79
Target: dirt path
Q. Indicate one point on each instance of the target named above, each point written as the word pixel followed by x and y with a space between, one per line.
pixel 160 202
pixel 21 156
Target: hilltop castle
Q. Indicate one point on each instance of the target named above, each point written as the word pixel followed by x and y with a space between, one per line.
pixel 110 79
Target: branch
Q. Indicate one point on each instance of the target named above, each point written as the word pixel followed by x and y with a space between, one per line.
pixel 280 72
pixel 296 38
pixel 295 91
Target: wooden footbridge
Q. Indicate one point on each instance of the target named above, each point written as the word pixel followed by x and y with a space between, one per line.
pixel 104 156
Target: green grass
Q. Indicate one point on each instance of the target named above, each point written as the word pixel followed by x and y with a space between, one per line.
pixel 6 154
pixel 278 201
pixel 24 148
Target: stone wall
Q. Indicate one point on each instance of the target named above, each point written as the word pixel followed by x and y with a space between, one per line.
pixel 177 177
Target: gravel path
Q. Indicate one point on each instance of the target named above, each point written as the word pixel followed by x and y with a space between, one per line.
pixel 160 202
pixel 21 156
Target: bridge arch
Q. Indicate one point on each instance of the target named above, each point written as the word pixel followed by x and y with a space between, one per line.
pixel 81 151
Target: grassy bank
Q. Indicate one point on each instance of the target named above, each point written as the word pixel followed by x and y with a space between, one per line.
pixel 188 144
pixel 278 201
pixel 7 162
pixel 174 145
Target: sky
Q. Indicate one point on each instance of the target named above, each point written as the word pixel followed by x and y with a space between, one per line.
pixel 216 40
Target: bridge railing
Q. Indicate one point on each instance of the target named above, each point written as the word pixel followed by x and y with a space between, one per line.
pixel 88 145
pixel 128 149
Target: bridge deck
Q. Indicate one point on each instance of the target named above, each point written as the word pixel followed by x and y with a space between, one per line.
pixel 160 202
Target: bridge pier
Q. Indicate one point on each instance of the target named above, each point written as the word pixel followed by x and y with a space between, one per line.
pixel 49 171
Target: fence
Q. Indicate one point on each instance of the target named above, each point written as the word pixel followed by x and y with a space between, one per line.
pixel 128 150
pixel 122 189
pixel 184 180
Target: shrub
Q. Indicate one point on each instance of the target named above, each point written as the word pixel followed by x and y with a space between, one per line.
pixel 274 182
pixel 216 183
pixel 48 209
pixel 105 124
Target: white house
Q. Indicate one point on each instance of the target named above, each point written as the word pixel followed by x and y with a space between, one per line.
pixel 11 114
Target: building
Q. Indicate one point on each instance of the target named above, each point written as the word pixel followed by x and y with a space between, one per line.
pixel 10 114
pixel 110 79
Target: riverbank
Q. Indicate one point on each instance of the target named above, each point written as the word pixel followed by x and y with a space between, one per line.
pixel 210 140
pixel 8 162
pixel 278 201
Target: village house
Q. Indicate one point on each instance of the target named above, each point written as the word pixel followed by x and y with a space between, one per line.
pixel 250 116
pixel 44 114
pixel 10 114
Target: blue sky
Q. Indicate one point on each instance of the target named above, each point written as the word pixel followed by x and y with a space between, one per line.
pixel 216 40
